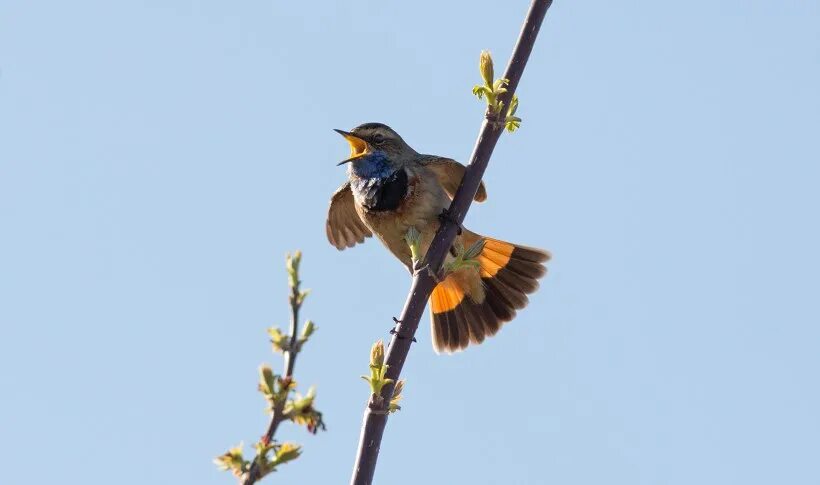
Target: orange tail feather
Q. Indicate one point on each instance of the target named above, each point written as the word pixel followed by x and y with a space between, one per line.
pixel 508 273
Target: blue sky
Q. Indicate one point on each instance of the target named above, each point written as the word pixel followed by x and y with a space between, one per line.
pixel 159 158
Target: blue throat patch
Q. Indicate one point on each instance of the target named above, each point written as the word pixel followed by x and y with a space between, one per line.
pixel 377 185
pixel 372 166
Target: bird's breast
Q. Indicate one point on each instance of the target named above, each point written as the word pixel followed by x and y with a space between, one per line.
pixel 380 194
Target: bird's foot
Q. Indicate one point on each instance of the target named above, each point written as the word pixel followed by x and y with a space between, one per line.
pixel 395 332
pixel 447 216
pixel 418 269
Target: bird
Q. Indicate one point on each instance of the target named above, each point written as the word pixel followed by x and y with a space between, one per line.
pixel 393 191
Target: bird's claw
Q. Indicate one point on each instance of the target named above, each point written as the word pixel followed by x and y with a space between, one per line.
pixel 418 269
pixel 395 332
pixel 447 216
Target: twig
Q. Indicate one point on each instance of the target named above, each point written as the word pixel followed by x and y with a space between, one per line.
pixel 375 417
pixel 284 403
pixel 277 416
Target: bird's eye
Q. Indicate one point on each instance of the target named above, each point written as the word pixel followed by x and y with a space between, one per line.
pixel 378 138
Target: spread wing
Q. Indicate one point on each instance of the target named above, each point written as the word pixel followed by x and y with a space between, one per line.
pixel 344 226
pixel 449 173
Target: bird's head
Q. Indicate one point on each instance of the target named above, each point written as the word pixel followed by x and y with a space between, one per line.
pixel 376 144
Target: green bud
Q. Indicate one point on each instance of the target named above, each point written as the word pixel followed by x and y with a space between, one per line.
pixel 308 329
pixel 413 238
pixel 292 266
pixel 479 91
pixel 267 380
pixel 394 401
pixel 233 460
pixel 377 354
pixel 512 123
pixel 263 463
pixel 413 235
pixel 278 339
pixel 263 448
pixel 513 106
pixel 485 66
pixel 287 452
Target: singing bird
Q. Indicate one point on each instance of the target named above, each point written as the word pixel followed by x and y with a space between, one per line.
pixel 392 188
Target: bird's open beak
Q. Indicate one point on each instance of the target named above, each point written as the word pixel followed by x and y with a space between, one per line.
pixel 358 147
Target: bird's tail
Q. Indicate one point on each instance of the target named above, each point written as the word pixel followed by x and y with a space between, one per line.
pixel 472 303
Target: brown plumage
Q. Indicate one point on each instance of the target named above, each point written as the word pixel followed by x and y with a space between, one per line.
pixel 392 188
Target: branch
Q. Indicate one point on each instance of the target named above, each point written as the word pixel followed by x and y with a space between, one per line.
pixel 289 355
pixel 375 416
pixel 277 391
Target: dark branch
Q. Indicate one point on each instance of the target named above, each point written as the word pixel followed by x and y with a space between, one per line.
pixel 375 417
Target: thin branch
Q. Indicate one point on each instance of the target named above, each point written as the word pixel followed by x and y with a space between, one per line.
pixel 375 416
pixel 284 403
pixel 277 416
pixel 295 304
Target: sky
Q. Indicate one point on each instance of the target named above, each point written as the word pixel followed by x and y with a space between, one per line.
pixel 158 159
